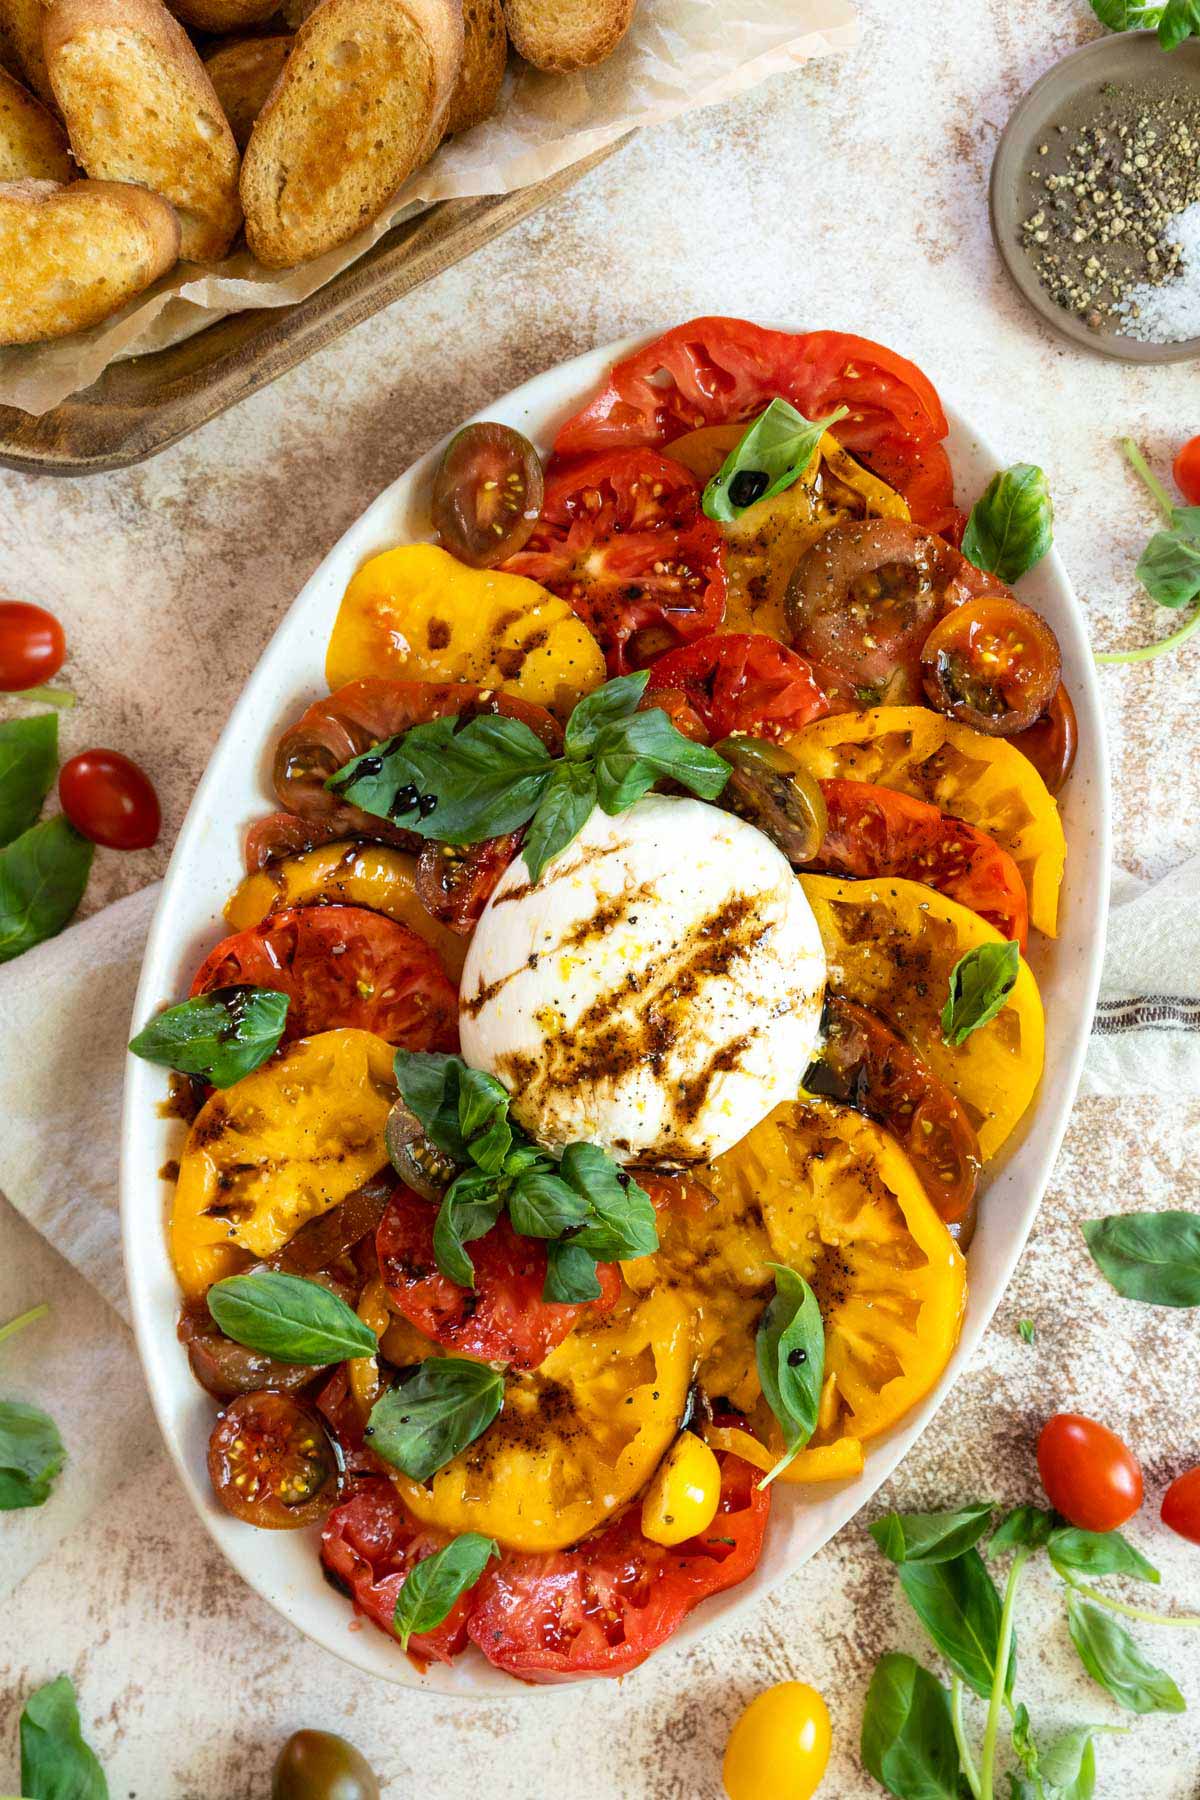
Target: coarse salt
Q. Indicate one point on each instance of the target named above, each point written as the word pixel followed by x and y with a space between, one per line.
pixel 1169 313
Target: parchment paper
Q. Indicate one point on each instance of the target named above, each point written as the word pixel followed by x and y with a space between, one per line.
pixel 679 54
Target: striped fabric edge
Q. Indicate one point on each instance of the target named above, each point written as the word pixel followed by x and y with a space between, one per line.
pixel 1147 1012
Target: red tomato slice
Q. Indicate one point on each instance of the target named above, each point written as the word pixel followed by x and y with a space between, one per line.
pixel 622 537
pixel 369 1545
pixel 603 1607
pixel 283 834
pixel 454 883
pixel 742 681
pixel 875 831
pixel 342 966
pixel 505 1319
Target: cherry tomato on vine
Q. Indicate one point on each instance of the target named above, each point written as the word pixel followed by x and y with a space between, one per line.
pixel 1187 471
pixel 270 1462
pixel 1090 1476
pixel 110 800
pixel 32 646
pixel 779 1748
pixel 1181 1502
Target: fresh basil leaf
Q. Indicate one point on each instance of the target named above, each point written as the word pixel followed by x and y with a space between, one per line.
pixel 907 1739
pixel 1069 1765
pixel 288 1318
pixel 1112 1658
pixel 1025 1527
pixel 930 1537
pixel 221 1035
pixel 56 1763
pixel 564 809
pixel 614 700
pixel 1026 1331
pixel 1098 1553
pixel 432 1589
pixel 571 1278
pixel 621 1222
pixel 456 785
pixel 42 877
pixel 481 1101
pixel 1011 526
pixel 28 765
pixel 1180 20
pixel 542 1205
pixel 1152 1257
pixel 632 755
pixel 772 453
pixel 980 983
pixel 789 1349
pixel 959 1607
pixel 1169 566
pixel 470 1207
pixel 1128 15
pixel 423 1422
pixel 428 1083
pixel 31 1455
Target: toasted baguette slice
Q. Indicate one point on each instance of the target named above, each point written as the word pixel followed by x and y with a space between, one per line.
pixel 21 44
pixel 223 15
pixel 359 106
pixel 32 142
pixel 139 107
pixel 485 53
pixel 567 34
pixel 243 75
pixel 70 256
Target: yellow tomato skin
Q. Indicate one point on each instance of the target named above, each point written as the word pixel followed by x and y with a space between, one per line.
pixel 682 1499
pixel 779 1748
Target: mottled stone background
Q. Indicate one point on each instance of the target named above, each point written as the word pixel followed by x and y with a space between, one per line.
pixel 851 194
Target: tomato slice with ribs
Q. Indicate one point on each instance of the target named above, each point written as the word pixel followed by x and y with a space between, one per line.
pixel 604 1606
pixel 622 537
pixel 741 681
pixel 369 1546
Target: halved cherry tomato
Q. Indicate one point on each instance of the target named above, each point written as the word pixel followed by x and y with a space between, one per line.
pixel 283 834
pixel 225 1369
pixel 369 1545
pixel 1187 471
pixel 873 831
pixel 110 800
pixel 505 1319
pixel 1181 1502
pixel 487 494
pixel 1050 742
pixel 455 884
pixel 1090 1476
pixel 270 1462
pixel 864 1064
pixel 342 966
pixel 32 646
pixel 768 786
pixel 992 663
pixel 601 1608
pixel 741 681
pixel 623 539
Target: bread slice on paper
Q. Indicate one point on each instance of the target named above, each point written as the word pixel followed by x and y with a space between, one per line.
pixel 71 255
pixel 360 105
pixel 139 107
pixel 33 145
pixel 561 35
pixel 485 53
pixel 243 73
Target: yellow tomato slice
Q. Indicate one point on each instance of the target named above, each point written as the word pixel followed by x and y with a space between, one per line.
pixel 891 945
pixel 844 1207
pixel 577 1438
pixel 416 614
pixel 984 780
pixel 839 1461
pixel 350 874
pixel 764 544
pixel 278 1148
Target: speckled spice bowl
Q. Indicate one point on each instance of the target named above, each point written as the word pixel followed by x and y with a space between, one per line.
pixel 283 1566
pixel 1129 58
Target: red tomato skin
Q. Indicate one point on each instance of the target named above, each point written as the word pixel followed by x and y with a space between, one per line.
pixel 369 1544
pixel 110 800
pixel 1187 471
pixel 1090 1476
pixel 32 646
pixel 1181 1502
pixel 741 681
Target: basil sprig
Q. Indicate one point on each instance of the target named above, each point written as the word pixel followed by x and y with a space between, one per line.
pixel 56 1762
pixel 1112 1658
pixel 423 1422
pixel 980 983
pixel 1011 525
pixel 43 874
pixel 1073 1551
pixel 907 1739
pixel 1152 1257
pixel 432 1589
pixel 31 1451
pixel 771 455
pixel 461 782
pixel 1174 21
pixel 789 1350
pixel 931 1537
pixel 28 764
pixel 221 1035
pixel 289 1318
pixel 1169 566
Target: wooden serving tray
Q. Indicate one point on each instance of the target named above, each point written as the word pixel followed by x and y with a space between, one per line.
pixel 139 406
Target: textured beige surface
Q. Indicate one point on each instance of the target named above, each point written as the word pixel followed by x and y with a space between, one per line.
pixel 851 194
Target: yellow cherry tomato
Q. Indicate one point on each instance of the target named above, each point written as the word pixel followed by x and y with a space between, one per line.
pixel 682 1499
pixel 779 1748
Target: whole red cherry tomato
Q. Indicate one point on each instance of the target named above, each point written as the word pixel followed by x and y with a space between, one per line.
pixel 110 800
pixel 1181 1502
pixel 32 646
pixel 1187 471
pixel 1091 1477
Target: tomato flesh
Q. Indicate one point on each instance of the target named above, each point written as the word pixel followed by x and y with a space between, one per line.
pixel 993 664
pixel 741 682
pixel 369 1545
pixel 110 800
pixel 455 884
pixel 270 1462
pixel 487 494
pixel 1187 471
pixel 1181 1502
pixel 1090 1476
pixel 32 646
